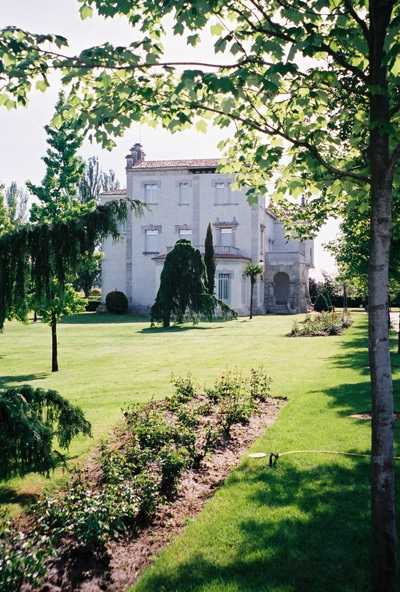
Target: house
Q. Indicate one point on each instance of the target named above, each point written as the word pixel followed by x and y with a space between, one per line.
pixel 182 197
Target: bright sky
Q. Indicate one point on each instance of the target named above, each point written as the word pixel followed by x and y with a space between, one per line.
pixel 22 135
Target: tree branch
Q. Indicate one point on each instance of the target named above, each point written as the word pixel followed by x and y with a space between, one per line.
pixel 362 24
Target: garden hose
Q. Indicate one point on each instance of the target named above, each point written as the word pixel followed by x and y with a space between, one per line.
pixel 274 456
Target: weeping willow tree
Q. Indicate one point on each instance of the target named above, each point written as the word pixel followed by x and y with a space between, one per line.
pixel 183 290
pixel 34 256
pixel 30 420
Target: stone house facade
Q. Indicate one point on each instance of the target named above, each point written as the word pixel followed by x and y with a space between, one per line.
pixel 181 198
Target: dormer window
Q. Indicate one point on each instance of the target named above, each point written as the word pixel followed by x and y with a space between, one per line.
pixel 185 193
pixel 151 193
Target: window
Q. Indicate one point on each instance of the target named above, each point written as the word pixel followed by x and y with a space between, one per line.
pixel 185 194
pixel 221 193
pixel 226 235
pixel 224 287
pixel 151 193
pixel 185 233
pixel 151 241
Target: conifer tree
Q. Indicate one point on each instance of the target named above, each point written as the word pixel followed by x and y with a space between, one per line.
pixel 182 287
pixel 209 260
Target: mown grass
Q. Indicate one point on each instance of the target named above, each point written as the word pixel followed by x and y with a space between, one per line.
pixel 107 361
pixel 303 526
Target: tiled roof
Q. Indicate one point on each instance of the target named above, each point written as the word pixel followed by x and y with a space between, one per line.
pixel 196 163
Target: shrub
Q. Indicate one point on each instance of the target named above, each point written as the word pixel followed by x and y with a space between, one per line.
pixel 30 420
pixel 184 388
pixel 227 384
pixel 95 293
pixel 92 305
pixel 322 304
pixel 173 461
pixel 259 384
pixel 117 302
pixel 321 324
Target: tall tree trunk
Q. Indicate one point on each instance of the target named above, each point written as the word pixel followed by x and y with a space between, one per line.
pixel 345 298
pixel 251 298
pixel 383 492
pixel 54 345
pixel 398 337
pixel 34 316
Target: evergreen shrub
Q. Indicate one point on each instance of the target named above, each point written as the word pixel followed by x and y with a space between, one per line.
pixel 117 302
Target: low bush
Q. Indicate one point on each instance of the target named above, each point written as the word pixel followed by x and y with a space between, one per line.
pixel 117 302
pixel 136 473
pixel 321 324
pixel 31 419
pixel 92 305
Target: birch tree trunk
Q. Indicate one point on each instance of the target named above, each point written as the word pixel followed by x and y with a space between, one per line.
pixel 383 485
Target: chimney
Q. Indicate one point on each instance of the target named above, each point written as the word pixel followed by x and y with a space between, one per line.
pixel 135 156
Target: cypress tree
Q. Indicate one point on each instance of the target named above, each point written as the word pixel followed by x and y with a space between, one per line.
pixel 209 260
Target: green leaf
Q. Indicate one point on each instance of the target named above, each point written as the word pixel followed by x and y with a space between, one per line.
pixel 86 11
pixel 216 29
pixel 201 126
pixel 42 85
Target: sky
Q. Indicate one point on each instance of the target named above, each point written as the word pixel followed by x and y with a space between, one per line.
pixel 22 134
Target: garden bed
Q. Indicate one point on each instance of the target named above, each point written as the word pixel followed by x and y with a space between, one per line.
pixel 321 324
pixel 157 472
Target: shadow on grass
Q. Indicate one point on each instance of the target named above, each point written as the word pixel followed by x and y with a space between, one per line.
pixel 176 329
pixel 311 533
pixel 94 318
pixel 8 495
pixel 13 381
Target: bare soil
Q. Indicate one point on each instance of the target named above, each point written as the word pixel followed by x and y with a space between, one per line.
pixel 124 560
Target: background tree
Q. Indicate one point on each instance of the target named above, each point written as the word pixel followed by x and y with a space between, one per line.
pixel 182 288
pixel 88 273
pixel 253 271
pixel 315 82
pixel 209 260
pixel 94 181
pixel 5 223
pixel 17 199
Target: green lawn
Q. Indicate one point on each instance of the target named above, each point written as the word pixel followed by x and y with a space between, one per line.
pixel 303 526
pixel 300 527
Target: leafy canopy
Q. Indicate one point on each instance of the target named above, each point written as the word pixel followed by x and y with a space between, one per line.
pixel 292 76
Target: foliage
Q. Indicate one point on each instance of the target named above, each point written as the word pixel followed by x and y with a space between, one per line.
pixel 30 420
pixel 33 255
pixel 321 324
pixel 94 181
pixel 57 194
pixel 17 200
pixel 321 303
pixel 136 477
pixel 59 302
pixel 88 273
pixel 209 260
pixel 182 288
pixel 5 223
pixel 117 302
pixel 252 271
